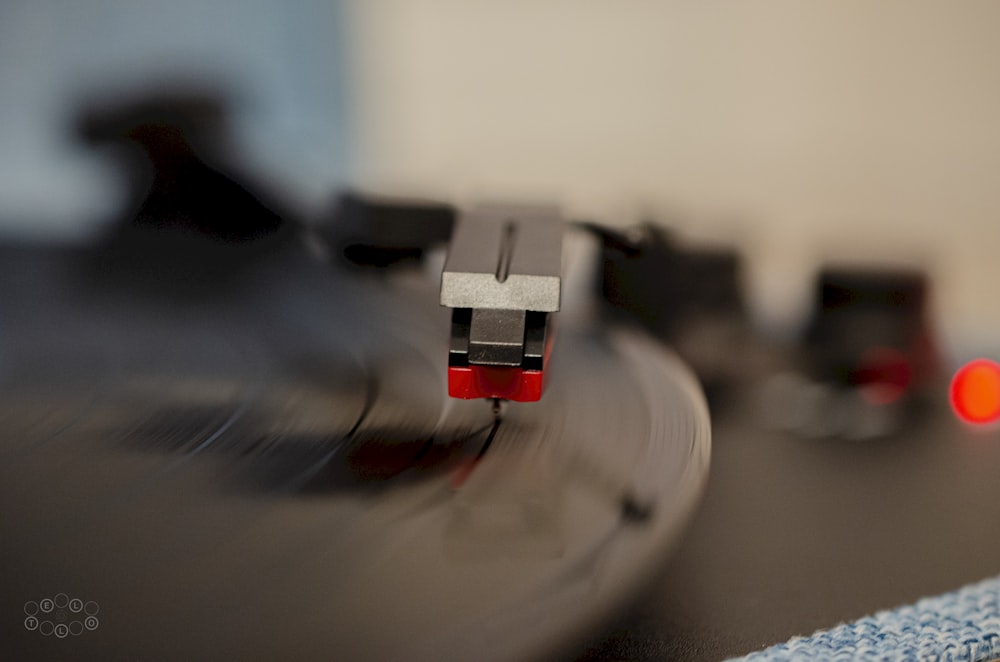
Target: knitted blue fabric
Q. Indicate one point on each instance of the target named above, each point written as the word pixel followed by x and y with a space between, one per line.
pixel 964 625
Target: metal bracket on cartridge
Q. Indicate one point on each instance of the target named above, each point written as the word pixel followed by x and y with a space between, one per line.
pixel 502 280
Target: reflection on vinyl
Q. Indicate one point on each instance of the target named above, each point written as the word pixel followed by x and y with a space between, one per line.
pixel 277 472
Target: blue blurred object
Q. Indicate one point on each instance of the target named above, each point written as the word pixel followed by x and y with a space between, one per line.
pixel 964 625
pixel 282 61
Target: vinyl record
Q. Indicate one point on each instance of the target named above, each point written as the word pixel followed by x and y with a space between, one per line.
pixel 277 472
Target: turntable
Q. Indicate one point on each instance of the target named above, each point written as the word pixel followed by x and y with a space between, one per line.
pixel 216 457
pixel 228 433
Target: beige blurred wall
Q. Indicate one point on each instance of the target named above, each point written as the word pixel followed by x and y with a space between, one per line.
pixel 800 131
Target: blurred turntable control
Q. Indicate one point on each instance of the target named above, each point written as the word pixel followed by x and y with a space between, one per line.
pixel 868 359
pixel 375 231
pixel 689 297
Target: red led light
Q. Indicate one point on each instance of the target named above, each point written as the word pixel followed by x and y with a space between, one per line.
pixel 975 392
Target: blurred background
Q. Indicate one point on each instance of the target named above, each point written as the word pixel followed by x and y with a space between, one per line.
pixel 797 133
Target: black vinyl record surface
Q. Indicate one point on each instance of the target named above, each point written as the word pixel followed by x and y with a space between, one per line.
pixel 271 468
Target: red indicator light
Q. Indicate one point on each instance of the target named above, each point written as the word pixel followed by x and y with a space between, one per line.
pixel 975 392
